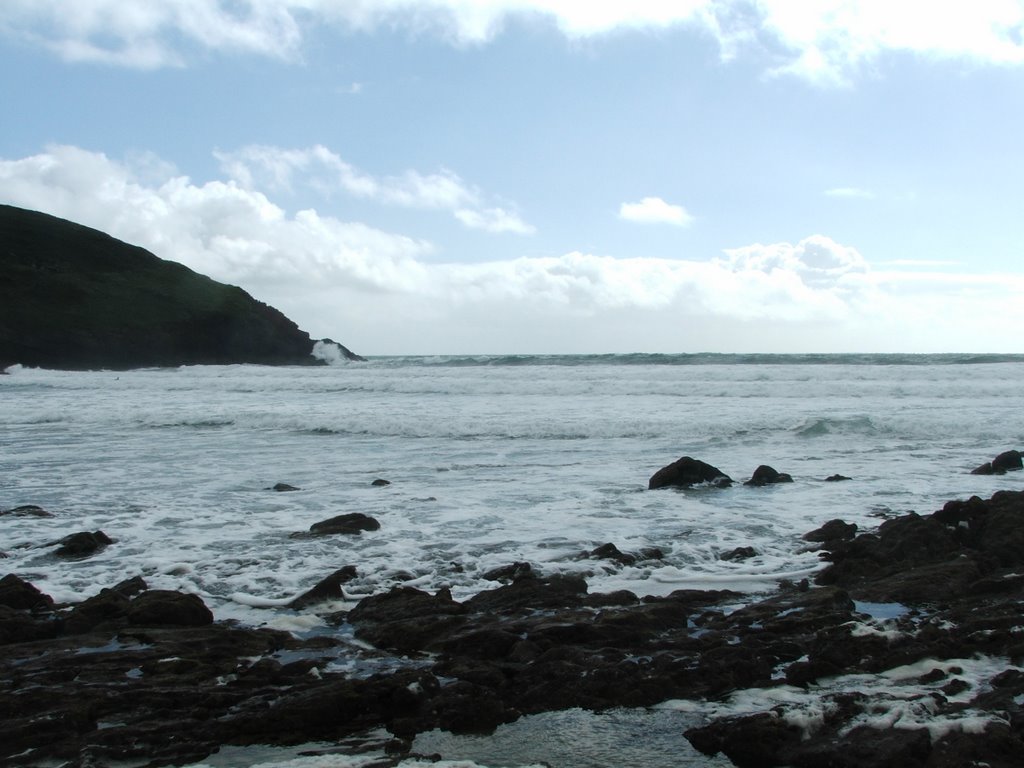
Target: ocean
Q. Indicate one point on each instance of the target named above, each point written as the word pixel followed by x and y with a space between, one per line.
pixel 491 460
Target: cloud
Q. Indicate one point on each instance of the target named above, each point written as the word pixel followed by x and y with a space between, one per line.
pixel 850 192
pixel 654 210
pixel 378 293
pixel 278 169
pixel 827 42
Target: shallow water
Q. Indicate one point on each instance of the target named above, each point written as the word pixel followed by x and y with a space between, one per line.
pixel 491 461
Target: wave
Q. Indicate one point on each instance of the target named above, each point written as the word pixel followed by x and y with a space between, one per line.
pixel 698 358
pixel 817 427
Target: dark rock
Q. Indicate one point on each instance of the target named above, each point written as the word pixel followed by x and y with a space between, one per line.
pixel 159 608
pixel 752 741
pixel 81 545
pixel 406 619
pixel 532 593
pixel 352 523
pixel 17 626
pixel 109 607
pixel 836 478
pixel 380 482
pixel 686 473
pixel 17 593
pixel 765 475
pixel 1008 461
pixel 833 530
pixel 610 552
pixel 76 298
pixel 27 510
pixel 507 573
pixel 738 554
pixel 328 589
pixel 283 488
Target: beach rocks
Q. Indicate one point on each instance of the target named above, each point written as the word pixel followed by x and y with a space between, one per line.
pixel 133 673
pixel 687 472
pixel 1008 461
pixel 81 545
pixel 26 510
pixel 328 589
pixel 765 475
pixel 348 524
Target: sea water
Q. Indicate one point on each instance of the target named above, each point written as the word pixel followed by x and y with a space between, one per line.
pixel 491 460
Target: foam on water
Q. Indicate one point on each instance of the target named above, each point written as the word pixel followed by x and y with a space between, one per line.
pixel 490 461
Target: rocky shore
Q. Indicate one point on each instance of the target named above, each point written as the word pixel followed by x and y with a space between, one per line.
pixel 931 604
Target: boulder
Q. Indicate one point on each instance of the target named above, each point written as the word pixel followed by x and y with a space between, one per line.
pixel 610 552
pixel 327 589
pixel 166 608
pixel 283 487
pixel 19 594
pixel 1008 461
pixel 833 530
pixel 351 523
pixel 27 510
pixel 687 472
pixel 380 482
pixel 82 544
pixel 765 475
pixel 836 478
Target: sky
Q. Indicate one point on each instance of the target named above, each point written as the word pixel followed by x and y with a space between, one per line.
pixel 435 177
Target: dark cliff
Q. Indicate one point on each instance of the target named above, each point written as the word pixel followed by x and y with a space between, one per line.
pixel 75 298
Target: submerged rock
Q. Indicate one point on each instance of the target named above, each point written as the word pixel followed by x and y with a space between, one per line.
pixel 27 510
pixel 283 488
pixel 687 472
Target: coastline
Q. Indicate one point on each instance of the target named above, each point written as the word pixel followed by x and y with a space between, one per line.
pixel 135 673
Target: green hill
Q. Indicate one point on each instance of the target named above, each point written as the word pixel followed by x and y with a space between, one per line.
pixel 72 297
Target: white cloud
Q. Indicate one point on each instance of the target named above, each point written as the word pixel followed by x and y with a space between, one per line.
pixel 654 210
pixel 375 291
pixel 827 41
pixel 850 192
pixel 274 168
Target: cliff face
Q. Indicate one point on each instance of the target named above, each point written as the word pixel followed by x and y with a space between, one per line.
pixel 75 298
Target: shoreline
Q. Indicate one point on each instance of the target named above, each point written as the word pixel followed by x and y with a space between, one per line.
pixel 145 674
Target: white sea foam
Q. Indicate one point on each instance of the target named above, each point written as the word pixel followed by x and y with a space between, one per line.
pixel 489 464
pixel 896 698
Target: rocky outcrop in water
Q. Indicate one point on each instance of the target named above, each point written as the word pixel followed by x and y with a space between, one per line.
pixel 687 472
pixel 72 297
pixel 917 622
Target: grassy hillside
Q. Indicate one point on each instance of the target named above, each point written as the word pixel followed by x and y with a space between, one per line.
pixel 74 297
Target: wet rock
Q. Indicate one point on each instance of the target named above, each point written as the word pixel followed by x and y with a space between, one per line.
pixel 833 530
pixel 283 488
pixel 765 475
pixel 26 510
pixel 352 523
pixel 610 552
pixel 17 593
pixel 508 573
pixel 328 589
pixel 161 607
pixel 18 626
pixel 687 472
pixel 738 554
pixel 836 478
pixel 380 482
pixel 753 741
pixel 1008 461
pixel 406 619
pixel 556 591
pixel 80 545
